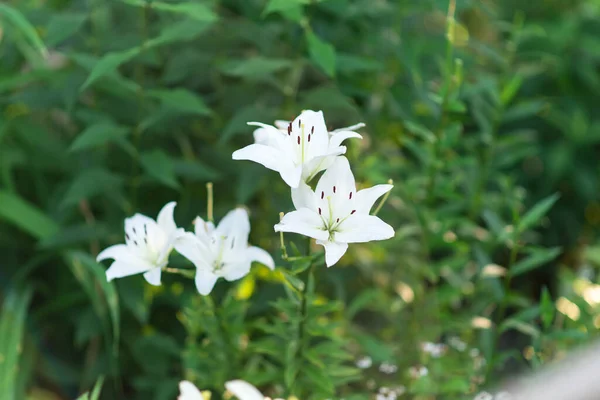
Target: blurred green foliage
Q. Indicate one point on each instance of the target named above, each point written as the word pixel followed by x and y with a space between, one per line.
pixel 486 122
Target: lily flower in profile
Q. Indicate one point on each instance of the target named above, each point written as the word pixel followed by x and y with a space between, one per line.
pixel 189 391
pixel 336 214
pixel 245 391
pixel 148 244
pixel 222 251
pixel 300 151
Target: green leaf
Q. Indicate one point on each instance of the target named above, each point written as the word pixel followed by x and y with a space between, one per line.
pixel 194 170
pixel 536 259
pixel 523 327
pixel 17 19
pixel 196 11
pixel 62 26
pixel 547 308
pixel 535 214
pixel 159 166
pixel 284 6
pixel 319 378
pixel 12 327
pixel 420 131
pixel 321 52
pixel 256 67
pixel 95 395
pixel 26 216
pixel 90 183
pixel 179 32
pixel 181 100
pixel 103 295
pixel 511 88
pixel 99 134
pixel 109 63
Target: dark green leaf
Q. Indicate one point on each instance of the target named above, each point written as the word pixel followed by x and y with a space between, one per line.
pixel 321 52
pixel 159 166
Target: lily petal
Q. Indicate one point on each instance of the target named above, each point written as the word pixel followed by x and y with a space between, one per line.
pixel 203 229
pixel 257 254
pixel 333 251
pixel 337 138
pixel 119 268
pixel 117 251
pixel 237 270
pixel 304 197
pixel 194 249
pixel 349 128
pixel 338 175
pixel 367 197
pixel 235 226
pixel 205 281
pixel 165 218
pixel 262 154
pixel 303 221
pixel 189 391
pixel 320 163
pixel 361 228
pixel 243 390
pixel 153 276
pixel 291 175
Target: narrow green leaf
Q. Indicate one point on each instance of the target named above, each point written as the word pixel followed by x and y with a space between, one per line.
pixel 181 100
pixel 321 52
pixel 283 6
pixel 256 67
pixel 109 64
pixel 97 388
pixel 97 135
pixel 547 308
pixel 511 88
pixel 196 11
pixel 90 183
pixel 523 327
pixel 159 166
pixel 12 327
pixel 535 260
pixel 26 216
pixel 535 214
pixel 62 26
pixel 17 19
pixel 103 294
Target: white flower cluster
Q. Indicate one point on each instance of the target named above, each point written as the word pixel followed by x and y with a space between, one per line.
pixel 220 251
pixel 334 214
pixel 386 393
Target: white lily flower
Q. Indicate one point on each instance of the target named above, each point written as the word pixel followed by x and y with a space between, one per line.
pixel 189 391
pixel 222 251
pixel 147 248
pixel 245 391
pixel 300 151
pixel 336 214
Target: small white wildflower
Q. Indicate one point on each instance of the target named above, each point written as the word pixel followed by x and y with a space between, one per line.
pixel 388 368
pixel 503 396
pixel 483 396
pixel 458 344
pixel 418 372
pixel 364 362
pixel 435 350
pixel 474 353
